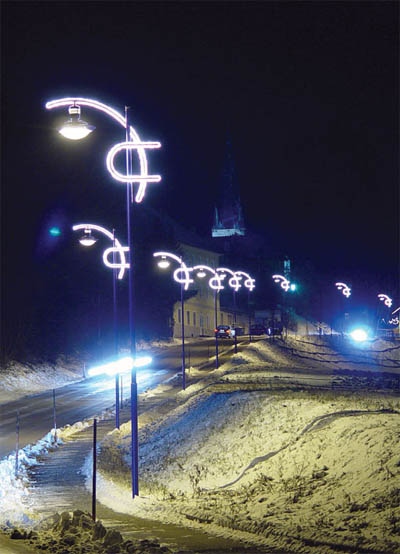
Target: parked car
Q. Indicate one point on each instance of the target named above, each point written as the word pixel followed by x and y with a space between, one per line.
pixel 257 329
pixel 224 332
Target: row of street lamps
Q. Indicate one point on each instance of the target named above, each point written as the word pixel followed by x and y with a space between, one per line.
pixel 75 129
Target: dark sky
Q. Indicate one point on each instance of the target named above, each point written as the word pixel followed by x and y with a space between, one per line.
pixel 308 92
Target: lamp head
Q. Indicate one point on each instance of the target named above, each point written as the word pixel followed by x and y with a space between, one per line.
pixel 87 239
pixel 75 128
pixel 163 263
pixel 201 273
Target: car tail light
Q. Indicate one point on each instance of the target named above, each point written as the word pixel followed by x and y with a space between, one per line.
pixel 228 331
pixel 215 330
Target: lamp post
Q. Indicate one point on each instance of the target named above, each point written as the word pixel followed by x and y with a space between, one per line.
pixel 346 291
pixel 184 282
pixel 76 129
pixel 214 283
pixel 87 240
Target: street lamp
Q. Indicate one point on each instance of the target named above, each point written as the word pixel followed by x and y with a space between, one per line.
pixel 87 240
pixel 132 142
pixel 386 300
pixel 163 264
pixel 346 290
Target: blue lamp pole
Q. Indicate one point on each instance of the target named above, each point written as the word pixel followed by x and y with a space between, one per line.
pixel 76 129
pixel 182 276
pixel 87 240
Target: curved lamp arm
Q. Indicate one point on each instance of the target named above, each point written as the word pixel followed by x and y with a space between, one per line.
pixel 182 270
pixel 135 143
pixel 117 248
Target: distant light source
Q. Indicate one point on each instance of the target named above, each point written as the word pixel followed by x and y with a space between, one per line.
pixel 120 366
pixel 55 231
pixel 201 274
pixel 293 287
pixel 359 335
pixel 75 128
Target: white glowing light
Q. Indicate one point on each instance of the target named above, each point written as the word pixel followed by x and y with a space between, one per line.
pixel 249 282
pixel 346 290
pixel 75 130
pixel 234 281
pixel 87 239
pixel 285 284
pixel 359 335
pixel 215 282
pixel 182 274
pixel 385 299
pixel 112 250
pixel 164 264
pixel 122 265
pixel 394 321
pixel 130 178
pixel 135 143
pixel 120 366
pixel 201 274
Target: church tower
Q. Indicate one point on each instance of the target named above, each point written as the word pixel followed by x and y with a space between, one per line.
pixel 228 220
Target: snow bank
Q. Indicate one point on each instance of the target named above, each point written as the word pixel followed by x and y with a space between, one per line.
pixel 306 470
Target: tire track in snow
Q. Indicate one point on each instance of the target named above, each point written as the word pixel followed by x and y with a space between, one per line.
pixel 317 423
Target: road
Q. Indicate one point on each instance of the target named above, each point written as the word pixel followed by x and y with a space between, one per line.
pixel 90 397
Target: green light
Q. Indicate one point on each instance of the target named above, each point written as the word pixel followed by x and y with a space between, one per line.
pixel 55 232
pixel 293 287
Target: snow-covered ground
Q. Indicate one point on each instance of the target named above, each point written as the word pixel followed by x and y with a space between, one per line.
pixel 292 445
pixel 262 449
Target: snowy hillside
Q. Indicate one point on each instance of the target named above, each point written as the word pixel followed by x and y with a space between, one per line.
pixel 287 446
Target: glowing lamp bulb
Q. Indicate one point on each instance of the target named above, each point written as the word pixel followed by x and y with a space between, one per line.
pixel 87 239
pixel 359 335
pixel 55 232
pixel 163 263
pixel 293 287
pixel 75 128
pixel 201 274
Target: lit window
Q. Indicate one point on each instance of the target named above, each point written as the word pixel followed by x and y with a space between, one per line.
pixel 179 316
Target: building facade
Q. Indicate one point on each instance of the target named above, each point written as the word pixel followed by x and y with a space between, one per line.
pixel 202 312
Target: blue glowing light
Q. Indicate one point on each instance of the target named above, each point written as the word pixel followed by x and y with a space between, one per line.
pixel 293 287
pixel 122 365
pixel 359 335
pixel 55 231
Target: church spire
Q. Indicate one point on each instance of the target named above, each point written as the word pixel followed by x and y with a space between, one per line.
pixel 228 212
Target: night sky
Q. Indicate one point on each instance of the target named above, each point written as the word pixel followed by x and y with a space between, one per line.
pixel 307 91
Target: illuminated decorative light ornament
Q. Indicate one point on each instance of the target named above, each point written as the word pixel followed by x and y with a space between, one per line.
pixel 215 282
pixel 249 282
pixel 134 144
pixel 120 366
pixel 182 274
pixel 346 290
pixel 394 321
pixel 385 299
pixel 285 284
pixel 234 281
pixel 118 248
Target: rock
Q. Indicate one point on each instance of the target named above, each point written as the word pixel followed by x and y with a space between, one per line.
pixel 17 534
pixel 69 539
pixel 76 516
pixel 86 522
pixel 113 549
pixel 99 531
pixel 112 537
pixel 65 522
